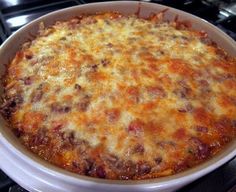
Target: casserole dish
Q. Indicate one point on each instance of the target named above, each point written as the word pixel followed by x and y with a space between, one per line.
pixel 48 178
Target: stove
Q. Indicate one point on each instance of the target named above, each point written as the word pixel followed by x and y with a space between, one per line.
pixel 222 13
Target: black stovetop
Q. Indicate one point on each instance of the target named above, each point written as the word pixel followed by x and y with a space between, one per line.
pixel 16 13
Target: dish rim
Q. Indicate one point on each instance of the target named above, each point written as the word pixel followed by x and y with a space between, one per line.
pixel 59 173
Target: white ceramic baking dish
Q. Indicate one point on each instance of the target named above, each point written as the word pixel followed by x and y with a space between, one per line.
pixel 35 174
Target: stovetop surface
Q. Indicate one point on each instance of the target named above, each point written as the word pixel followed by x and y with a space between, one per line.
pixel 16 13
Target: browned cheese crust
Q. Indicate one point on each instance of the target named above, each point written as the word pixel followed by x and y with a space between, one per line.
pixel 122 97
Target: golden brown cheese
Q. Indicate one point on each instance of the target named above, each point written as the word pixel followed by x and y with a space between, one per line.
pixel 121 97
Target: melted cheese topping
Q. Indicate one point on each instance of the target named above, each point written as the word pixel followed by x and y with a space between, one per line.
pixel 149 94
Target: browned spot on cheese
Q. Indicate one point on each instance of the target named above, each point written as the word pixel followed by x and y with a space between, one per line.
pixel 180 134
pixel 57 125
pixel 135 74
pixel 148 73
pixel 226 101
pixel 148 57
pixel 156 91
pixel 112 114
pixel 226 65
pixel 98 76
pixel 179 116
pixel 68 97
pixel 133 94
pixel 202 116
pixel 230 83
pixel 32 120
pixel 136 128
pixel 153 66
pixel 154 128
pixel 181 67
pixel 149 106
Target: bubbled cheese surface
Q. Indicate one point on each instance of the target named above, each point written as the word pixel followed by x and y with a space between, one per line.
pixel 144 91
